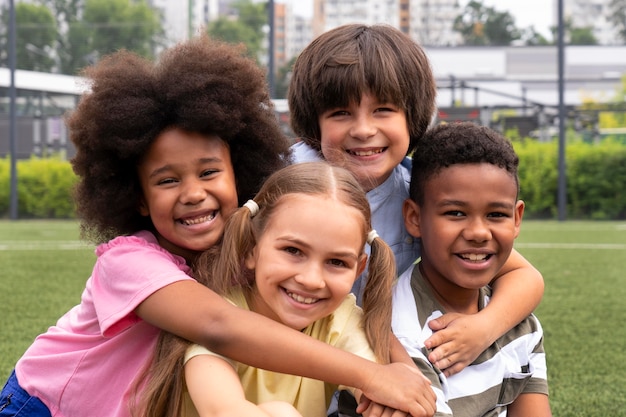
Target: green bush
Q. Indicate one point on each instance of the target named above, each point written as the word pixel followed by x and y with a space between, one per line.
pixel 5 186
pixel 596 182
pixel 538 177
pixel 44 188
pixel 595 179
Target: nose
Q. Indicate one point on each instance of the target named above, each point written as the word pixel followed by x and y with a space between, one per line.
pixel 363 127
pixel 477 231
pixel 193 192
pixel 311 276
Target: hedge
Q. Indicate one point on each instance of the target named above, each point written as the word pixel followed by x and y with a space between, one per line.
pixel 44 188
pixel 595 182
pixel 595 179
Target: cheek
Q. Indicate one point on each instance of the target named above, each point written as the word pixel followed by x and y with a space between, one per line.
pixel 342 287
pixel 332 152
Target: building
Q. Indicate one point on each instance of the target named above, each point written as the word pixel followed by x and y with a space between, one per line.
pixel 595 14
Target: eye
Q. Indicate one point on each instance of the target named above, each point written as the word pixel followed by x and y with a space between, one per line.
pixel 208 172
pixel 498 214
pixel 292 250
pixel 336 113
pixel 454 213
pixel 166 181
pixel 338 263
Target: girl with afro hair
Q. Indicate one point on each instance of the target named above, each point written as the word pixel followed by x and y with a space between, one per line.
pixel 166 150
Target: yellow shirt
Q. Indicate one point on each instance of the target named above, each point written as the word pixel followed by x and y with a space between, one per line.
pixel 342 329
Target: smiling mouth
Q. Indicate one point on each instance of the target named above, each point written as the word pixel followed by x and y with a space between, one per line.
pixel 475 257
pixel 301 299
pixel 198 220
pixel 369 152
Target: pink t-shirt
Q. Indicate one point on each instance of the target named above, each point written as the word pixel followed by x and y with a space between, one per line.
pixel 85 365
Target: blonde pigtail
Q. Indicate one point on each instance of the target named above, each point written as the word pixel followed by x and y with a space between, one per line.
pixel 225 268
pixel 377 298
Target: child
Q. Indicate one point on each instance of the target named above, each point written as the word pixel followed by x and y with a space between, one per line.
pixel 281 265
pixel 360 97
pixel 164 152
pixel 464 209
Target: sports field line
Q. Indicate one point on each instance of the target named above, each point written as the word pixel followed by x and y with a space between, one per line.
pixel 77 244
pixel 609 246
pixel 22 245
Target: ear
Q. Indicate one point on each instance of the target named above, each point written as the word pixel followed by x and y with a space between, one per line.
pixel 250 260
pixel 411 214
pixel 143 207
pixel 519 213
pixel 362 264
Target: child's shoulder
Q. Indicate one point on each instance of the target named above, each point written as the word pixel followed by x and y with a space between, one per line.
pixel 142 244
pixel 142 238
pixel 302 152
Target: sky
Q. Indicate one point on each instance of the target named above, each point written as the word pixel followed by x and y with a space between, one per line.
pixel 537 13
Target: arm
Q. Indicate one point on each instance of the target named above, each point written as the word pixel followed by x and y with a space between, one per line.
pixel 530 404
pixel 215 389
pixel 192 311
pixel 398 354
pixel 459 339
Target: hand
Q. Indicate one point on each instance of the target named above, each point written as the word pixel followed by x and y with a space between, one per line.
pixel 400 387
pixel 378 410
pixel 458 340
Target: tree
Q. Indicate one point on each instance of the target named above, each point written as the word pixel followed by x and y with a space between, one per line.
pixel 575 35
pixel 282 79
pixel 482 25
pixel 531 37
pixel 246 27
pixel 66 13
pixel 35 29
pixel 92 28
pixel 582 36
pixel 618 16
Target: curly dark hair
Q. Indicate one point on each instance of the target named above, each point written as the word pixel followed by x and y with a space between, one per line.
pixel 459 143
pixel 200 86
pixel 342 64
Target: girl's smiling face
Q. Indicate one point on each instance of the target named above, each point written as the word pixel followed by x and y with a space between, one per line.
pixel 369 138
pixel 189 190
pixel 307 259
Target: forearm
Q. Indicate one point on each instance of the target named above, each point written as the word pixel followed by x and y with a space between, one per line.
pixel 196 313
pixel 517 291
pixel 260 342
pixel 399 353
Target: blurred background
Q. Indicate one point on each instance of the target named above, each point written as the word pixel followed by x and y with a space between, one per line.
pixel 502 63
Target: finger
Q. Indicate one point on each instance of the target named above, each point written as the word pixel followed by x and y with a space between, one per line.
pixel 454 369
pixel 364 403
pixel 443 321
pixel 418 411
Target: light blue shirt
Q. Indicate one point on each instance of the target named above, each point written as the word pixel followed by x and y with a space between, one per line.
pixel 386 202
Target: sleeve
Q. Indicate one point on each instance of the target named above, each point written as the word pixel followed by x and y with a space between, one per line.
pixel 236 298
pixel 127 271
pixel 538 383
pixel 347 333
pixel 197 350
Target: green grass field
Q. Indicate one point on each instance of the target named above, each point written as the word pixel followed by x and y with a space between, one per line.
pixel 45 266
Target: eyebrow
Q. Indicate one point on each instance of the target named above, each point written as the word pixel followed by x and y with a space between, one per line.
pixel 495 204
pixel 296 241
pixel 167 167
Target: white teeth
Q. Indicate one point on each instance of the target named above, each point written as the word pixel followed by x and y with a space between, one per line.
pixel 301 299
pixel 366 153
pixel 198 220
pixel 475 257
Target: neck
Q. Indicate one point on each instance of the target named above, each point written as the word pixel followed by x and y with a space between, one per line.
pixel 454 299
